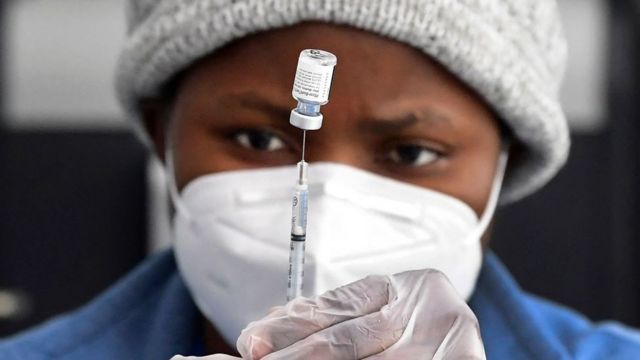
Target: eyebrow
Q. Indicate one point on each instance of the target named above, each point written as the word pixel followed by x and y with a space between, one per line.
pixel 405 121
pixel 257 101
pixel 375 125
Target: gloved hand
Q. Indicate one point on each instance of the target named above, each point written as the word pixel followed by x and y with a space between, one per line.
pixel 411 315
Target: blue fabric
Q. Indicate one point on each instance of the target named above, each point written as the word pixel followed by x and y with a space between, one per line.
pixel 150 315
pixel 516 325
pixel 147 315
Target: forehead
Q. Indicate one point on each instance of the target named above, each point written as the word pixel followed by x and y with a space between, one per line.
pixel 364 59
pixel 374 76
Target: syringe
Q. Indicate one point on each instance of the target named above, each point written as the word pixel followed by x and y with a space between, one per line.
pixel 311 89
pixel 298 233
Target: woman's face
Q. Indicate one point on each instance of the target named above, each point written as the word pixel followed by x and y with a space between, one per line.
pixel 392 111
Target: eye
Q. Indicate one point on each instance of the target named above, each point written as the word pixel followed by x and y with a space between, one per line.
pixel 412 155
pixel 259 140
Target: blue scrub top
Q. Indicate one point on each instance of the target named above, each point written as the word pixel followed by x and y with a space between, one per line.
pixel 150 315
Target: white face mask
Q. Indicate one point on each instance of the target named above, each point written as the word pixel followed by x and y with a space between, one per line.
pixel 232 233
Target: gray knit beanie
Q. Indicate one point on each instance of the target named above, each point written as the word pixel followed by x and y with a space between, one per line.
pixel 512 52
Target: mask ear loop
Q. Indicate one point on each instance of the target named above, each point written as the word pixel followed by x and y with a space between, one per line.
pixel 496 188
pixel 171 176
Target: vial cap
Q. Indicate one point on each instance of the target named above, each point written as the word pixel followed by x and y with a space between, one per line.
pixel 305 122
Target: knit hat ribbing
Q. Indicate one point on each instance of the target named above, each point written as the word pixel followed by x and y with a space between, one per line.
pixel 511 52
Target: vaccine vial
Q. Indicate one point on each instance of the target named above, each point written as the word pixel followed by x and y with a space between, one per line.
pixel 311 87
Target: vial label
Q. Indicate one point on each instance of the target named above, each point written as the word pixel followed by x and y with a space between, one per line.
pixel 312 82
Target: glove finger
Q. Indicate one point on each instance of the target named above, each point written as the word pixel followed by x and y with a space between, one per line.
pixel 352 339
pixel 461 341
pixel 210 357
pixel 305 316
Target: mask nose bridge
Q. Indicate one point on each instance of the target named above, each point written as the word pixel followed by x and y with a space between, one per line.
pixel 345 185
pixel 337 158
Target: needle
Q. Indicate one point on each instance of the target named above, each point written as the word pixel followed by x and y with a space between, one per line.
pixel 304 141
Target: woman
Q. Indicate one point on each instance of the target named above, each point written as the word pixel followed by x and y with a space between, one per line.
pixel 429 99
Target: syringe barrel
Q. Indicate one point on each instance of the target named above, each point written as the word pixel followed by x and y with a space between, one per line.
pixel 296 268
pixel 299 210
pixel 298 233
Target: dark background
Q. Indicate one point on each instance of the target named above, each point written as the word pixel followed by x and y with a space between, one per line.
pixel 578 240
pixel 73 211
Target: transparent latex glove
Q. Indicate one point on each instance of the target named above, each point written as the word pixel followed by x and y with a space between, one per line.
pixel 411 315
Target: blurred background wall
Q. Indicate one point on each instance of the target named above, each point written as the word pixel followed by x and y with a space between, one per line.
pixel 73 179
pixel 81 203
